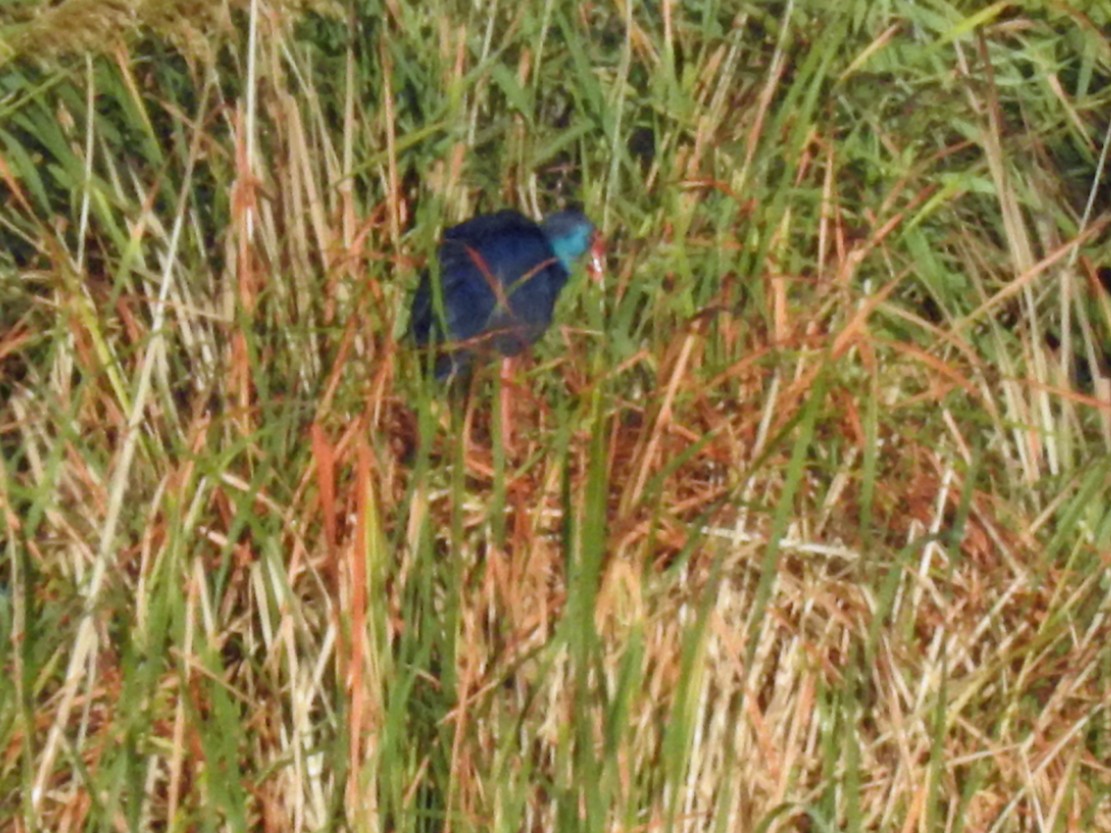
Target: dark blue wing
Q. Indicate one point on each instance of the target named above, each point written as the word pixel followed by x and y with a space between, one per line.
pixel 499 281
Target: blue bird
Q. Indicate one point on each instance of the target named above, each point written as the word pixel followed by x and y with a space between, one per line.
pixel 498 280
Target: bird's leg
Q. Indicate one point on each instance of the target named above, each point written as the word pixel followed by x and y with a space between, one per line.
pixel 505 405
pixel 468 417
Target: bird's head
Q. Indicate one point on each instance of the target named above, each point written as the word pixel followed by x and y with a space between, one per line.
pixel 570 233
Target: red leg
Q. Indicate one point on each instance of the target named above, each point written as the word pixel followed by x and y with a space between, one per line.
pixel 506 405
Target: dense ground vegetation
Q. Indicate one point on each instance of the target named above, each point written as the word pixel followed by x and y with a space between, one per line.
pixel 806 520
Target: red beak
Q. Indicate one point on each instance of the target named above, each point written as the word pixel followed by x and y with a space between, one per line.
pixel 597 266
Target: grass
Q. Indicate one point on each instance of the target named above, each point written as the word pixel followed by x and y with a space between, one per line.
pixel 805 523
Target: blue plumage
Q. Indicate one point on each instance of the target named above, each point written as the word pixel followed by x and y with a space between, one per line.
pixel 499 278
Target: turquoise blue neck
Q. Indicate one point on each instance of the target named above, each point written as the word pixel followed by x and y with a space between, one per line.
pixel 569 249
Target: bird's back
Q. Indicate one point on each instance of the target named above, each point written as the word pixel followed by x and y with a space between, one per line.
pixel 499 281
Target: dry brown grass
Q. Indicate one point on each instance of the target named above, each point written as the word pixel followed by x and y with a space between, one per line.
pixel 804 525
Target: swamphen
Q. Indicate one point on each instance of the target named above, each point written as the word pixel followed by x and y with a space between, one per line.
pixel 499 277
